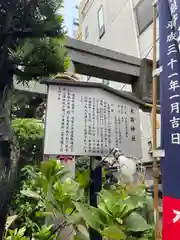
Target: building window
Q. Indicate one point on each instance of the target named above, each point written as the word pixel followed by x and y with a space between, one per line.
pixel 144 14
pixel 86 33
pixel 101 25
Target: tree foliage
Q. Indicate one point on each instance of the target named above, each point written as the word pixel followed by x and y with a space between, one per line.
pixel 27 105
pixel 39 57
pixel 32 38
pixel 31 47
pixel 29 134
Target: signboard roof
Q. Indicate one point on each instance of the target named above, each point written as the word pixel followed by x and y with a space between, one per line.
pixel 64 82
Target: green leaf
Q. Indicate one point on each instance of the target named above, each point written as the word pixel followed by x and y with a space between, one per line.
pixel 75 218
pixel 44 214
pixel 109 201
pixel 128 209
pixel 113 232
pixel 83 178
pixel 92 216
pixel 45 233
pixel 30 194
pixel 136 223
pixel 21 231
pixel 103 208
pixel 69 211
pixel 83 234
pixel 115 205
pixel 144 238
pixel 80 236
pixel 119 220
pixel 83 230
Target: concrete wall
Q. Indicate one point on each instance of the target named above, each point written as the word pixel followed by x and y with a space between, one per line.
pixel 145 42
pixel 145 39
pixel 117 36
pixel 146 135
pixel 121 30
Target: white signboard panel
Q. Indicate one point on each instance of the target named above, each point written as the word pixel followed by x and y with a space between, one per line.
pixel 90 121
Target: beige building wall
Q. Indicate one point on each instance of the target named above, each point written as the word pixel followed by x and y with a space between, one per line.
pixel 128 29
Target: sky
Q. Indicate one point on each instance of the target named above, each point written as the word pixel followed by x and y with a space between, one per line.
pixel 69 12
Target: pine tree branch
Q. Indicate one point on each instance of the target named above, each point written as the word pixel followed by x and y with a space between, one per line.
pixel 17 71
pixel 20 63
pixel 4 51
pixel 29 33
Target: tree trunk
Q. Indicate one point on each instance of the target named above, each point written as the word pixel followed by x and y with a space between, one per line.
pixel 5 184
pixel 6 82
pixel 6 173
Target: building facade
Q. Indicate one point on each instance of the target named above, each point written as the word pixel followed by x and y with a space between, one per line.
pixel 124 26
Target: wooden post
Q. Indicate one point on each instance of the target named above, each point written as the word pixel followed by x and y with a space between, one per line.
pixel 154 133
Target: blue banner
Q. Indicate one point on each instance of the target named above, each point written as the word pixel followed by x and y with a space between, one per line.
pixel 169 33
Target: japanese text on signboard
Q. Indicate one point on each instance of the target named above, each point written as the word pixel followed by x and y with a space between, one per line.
pixel 91 122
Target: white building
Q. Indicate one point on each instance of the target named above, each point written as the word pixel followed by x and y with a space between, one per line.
pixel 124 26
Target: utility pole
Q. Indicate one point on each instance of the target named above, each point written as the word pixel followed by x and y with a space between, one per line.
pixel 154 130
